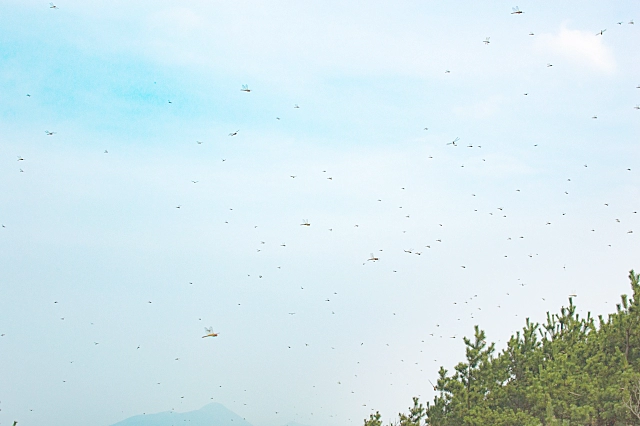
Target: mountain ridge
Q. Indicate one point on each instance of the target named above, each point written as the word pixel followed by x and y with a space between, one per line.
pixel 213 414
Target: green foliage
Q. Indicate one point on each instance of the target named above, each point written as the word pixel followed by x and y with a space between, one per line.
pixel 374 420
pixel 568 371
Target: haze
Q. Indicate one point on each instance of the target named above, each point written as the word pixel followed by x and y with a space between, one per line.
pixel 138 220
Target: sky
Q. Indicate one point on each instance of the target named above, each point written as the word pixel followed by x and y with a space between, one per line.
pixel 447 182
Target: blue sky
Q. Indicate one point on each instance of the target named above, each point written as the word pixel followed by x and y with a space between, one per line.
pixel 100 233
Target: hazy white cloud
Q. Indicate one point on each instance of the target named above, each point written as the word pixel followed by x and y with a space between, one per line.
pixel 482 109
pixel 176 21
pixel 375 40
pixel 581 47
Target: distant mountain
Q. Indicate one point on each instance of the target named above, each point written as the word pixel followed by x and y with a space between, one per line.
pixel 210 415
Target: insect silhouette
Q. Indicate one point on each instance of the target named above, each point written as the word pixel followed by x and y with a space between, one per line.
pixel 373 258
pixel 50 133
pixel 210 332
pixel 53 6
pixel 516 11
pixel 601 32
pixel 234 133
pixel 305 222
pixel 486 40
pixel 245 88
pixel 454 142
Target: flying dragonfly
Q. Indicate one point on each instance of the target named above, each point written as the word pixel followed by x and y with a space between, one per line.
pixel 245 88
pixel 50 133
pixel 601 32
pixel 486 40
pixel 516 11
pixel 234 133
pixel 636 107
pixel 630 22
pixel 210 332
pixel 305 222
pixel 454 142
pixel 373 258
pixel 53 6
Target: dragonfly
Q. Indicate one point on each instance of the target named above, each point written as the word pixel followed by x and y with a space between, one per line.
pixel 296 106
pixel 50 133
pixel 516 11
pixel 636 107
pixel 305 222
pixel 53 6
pixel 234 133
pixel 454 142
pixel 599 33
pixel 486 40
pixel 210 333
pixel 373 258
pixel 245 88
